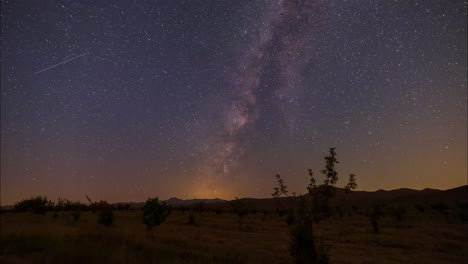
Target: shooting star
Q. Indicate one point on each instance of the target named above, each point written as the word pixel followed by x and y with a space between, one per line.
pixel 55 65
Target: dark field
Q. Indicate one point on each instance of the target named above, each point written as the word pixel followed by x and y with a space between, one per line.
pixel 421 237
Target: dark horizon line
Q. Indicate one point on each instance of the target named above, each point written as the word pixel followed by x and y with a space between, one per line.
pixel 289 196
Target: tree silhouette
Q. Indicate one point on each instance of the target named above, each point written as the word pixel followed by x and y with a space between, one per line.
pixel 303 246
pixel 280 190
pixel 321 194
pixel 154 213
pixel 352 185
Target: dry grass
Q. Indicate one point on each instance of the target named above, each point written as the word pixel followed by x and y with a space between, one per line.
pixel 215 238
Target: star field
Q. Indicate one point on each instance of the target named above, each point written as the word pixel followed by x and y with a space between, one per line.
pixel 212 98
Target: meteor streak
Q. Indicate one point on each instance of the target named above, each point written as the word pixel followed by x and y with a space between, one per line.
pixel 55 65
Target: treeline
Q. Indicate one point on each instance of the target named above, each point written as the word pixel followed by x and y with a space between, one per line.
pixel 154 211
pixel 41 204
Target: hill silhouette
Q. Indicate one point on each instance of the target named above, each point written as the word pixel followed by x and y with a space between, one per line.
pixel 362 198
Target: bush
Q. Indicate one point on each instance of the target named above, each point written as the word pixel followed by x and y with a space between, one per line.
pixel 67 205
pixel 106 215
pixel 36 204
pixel 154 212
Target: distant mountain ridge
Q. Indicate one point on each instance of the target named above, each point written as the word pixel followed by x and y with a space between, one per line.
pixel 180 202
pixel 362 198
pixel 176 202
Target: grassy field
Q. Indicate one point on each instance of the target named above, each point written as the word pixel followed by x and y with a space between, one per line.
pixel 216 238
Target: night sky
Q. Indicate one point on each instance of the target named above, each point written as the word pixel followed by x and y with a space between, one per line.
pixel 123 100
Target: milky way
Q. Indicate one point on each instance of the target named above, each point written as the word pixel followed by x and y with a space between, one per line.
pixel 281 37
pixel 213 98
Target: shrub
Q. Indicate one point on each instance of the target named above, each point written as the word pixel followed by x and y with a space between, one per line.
pixel 36 204
pixel 154 212
pixel 106 215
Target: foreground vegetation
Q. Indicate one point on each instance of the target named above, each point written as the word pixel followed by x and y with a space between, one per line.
pixel 426 237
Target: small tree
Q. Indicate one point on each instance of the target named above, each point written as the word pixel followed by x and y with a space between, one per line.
pixel 154 213
pixel 304 247
pixel 321 194
pixel 352 185
pixel 280 190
